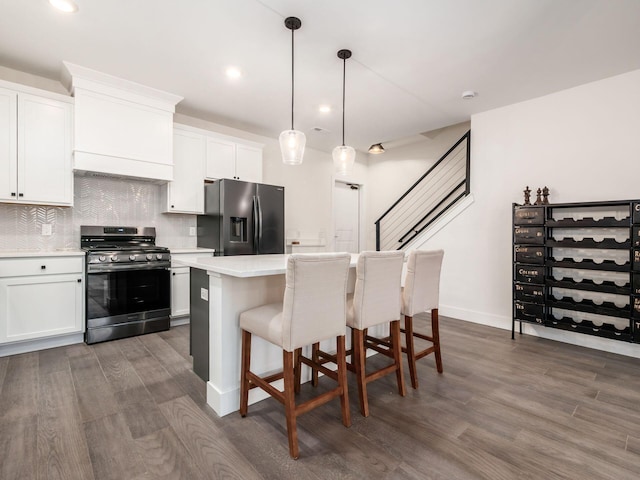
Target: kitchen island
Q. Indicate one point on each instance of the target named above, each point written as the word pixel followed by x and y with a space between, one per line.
pixel 221 289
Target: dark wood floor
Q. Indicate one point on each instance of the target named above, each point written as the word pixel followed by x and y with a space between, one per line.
pixel 503 409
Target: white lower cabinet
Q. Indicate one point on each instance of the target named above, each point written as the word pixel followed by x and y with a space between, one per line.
pixel 40 297
pixel 180 281
pixel 179 291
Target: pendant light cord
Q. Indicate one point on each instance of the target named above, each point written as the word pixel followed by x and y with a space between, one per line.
pixel 292 77
pixel 344 75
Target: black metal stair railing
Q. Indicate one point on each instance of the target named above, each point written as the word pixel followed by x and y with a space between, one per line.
pixel 441 187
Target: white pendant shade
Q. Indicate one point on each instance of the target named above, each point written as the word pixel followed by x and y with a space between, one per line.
pixel 292 144
pixel 344 158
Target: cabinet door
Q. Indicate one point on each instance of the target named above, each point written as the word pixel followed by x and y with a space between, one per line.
pixel 36 307
pixel 179 291
pixel 186 191
pixel 220 159
pixel 44 151
pixel 248 164
pixel 8 145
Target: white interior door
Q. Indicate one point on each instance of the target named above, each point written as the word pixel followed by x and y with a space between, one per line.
pixel 346 214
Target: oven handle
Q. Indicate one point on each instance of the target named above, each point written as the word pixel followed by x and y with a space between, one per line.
pixel 91 268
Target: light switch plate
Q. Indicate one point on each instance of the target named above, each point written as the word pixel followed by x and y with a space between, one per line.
pixel 46 229
pixel 192 231
pixel 204 294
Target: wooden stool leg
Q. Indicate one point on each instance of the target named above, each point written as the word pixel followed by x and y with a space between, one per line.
pixel 297 368
pixel 411 353
pixel 359 364
pixel 244 370
pixel 341 360
pixel 397 355
pixel 314 356
pixel 290 403
pixel 435 333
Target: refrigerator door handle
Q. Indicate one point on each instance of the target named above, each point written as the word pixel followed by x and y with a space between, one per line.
pixel 255 225
pixel 259 223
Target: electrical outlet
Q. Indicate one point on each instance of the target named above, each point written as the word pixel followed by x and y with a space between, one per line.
pixel 192 231
pixel 46 229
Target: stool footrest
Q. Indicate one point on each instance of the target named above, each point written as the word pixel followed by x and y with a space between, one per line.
pixel 256 381
pixel 319 366
pixel 317 401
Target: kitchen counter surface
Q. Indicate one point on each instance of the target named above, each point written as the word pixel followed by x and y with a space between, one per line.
pixel 245 266
pixel 42 253
pixel 190 250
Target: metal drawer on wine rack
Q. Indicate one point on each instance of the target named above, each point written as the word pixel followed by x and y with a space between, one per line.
pixel 636 284
pixel 636 212
pixel 635 307
pixel 529 274
pixel 635 239
pixel 529 235
pixel 529 254
pixel 529 293
pixel 529 216
pixel 529 312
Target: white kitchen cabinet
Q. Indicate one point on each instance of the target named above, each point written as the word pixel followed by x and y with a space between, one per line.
pixel 185 194
pixel 179 291
pixel 180 282
pixel 229 159
pixel 35 149
pixel 41 297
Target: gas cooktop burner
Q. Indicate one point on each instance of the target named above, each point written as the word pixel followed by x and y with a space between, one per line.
pixel 123 245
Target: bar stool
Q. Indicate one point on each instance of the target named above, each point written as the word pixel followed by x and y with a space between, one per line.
pixel 313 309
pixel 420 294
pixel 375 301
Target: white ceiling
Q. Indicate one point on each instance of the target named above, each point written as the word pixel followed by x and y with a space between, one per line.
pixel 411 58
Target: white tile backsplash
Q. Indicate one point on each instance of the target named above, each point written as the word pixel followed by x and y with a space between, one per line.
pixel 97 201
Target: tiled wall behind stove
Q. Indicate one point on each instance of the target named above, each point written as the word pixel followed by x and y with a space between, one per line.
pixel 97 201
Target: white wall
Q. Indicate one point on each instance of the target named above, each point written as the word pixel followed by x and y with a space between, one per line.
pixel 582 144
pixel 392 173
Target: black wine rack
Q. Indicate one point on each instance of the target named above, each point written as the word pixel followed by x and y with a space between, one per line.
pixel 536 298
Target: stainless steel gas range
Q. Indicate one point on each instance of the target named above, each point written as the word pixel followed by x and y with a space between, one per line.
pixel 128 287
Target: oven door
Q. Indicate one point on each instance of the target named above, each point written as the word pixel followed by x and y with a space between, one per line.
pixel 120 295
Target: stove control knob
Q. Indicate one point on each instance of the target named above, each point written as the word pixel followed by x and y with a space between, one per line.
pixel 159 256
pixel 132 257
pixel 102 258
pixel 149 256
pixel 114 258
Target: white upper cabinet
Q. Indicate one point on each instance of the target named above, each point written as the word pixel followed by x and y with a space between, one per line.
pixel 221 159
pixel 185 194
pixel 249 163
pixel 227 158
pixel 35 148
pixel 122 128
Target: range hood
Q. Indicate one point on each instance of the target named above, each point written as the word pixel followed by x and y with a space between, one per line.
pixel 122 128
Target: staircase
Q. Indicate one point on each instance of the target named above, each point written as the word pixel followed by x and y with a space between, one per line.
pixel 435 193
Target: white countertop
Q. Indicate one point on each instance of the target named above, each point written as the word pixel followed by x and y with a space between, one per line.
pixel 245 265
pixel 178 251
pixel 62 252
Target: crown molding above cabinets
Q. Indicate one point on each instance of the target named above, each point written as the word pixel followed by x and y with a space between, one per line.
pixel 122 128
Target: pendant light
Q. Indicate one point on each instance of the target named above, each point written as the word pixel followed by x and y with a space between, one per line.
pixel 343 157
pixel 292 141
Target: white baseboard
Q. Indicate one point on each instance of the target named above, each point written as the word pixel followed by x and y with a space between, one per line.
pixel 573 338
pixel 40 344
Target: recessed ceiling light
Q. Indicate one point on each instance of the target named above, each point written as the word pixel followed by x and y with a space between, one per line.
pixel 469 94
pixel 233 72
pixel 68 6
pixel 324 108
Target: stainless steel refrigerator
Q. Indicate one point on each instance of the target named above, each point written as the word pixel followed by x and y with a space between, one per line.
pixel 242 218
